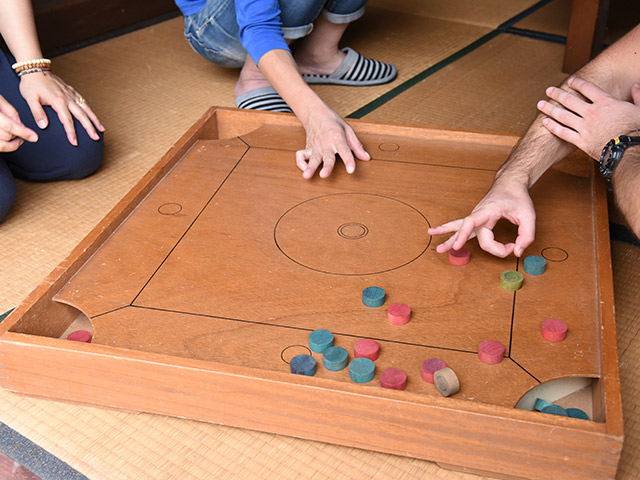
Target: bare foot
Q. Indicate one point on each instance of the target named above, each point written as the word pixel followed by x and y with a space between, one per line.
pixel 319 63
pixel 250 78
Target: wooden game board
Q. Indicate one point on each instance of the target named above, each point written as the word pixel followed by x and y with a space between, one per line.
pixel 208 277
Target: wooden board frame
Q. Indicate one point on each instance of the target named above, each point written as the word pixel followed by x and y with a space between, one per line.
pixel 471 436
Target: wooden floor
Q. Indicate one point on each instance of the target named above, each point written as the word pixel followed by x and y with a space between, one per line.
pixel 11 470
pixel 457 69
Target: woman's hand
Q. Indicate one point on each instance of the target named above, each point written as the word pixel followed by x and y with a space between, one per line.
pixel 48 89
pixel 328 136
pixel 12 132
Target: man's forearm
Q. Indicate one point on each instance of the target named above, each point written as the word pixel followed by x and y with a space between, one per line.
pixel 614 71
pixel 626 187
pixel 535 153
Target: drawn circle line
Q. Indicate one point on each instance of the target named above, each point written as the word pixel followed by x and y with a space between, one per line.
pixel 292 346
pixel 275 239
pixel 542 253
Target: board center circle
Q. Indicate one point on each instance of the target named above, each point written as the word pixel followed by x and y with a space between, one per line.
pixel 375 233
pixel 352 230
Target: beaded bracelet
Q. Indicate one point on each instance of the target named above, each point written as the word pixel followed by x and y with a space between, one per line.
pixel 35 65
pixel 43 63
pixel 32 70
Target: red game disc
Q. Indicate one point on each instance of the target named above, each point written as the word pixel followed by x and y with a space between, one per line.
pixel 393 378
pixel 491 352
pixel 80 336
pixel 367 348
pixel 554 330
pixel 459 257
pixel 429 367
pixel 398 313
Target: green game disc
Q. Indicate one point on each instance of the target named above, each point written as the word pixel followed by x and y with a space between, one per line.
pixel 511 280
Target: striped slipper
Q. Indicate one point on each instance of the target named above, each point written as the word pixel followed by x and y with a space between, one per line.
pixel 265 98
pixel 356 71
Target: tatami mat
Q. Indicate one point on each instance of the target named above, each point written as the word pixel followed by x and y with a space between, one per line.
pixel 148 87
pixel 626 278
pixel 552 18
pixel 487 13
pixel 489 89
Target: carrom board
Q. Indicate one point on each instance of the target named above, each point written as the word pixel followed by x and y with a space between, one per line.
pixel 204 282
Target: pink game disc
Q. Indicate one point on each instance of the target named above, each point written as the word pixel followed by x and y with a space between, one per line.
pixel 459 257
pixel 398 313
pixel 429 367
pixel 491 352
pixel 554 330
pixel 367 348
pixel 393 378
pixel 80 336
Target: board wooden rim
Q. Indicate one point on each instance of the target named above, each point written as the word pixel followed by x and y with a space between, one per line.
pixel 533 445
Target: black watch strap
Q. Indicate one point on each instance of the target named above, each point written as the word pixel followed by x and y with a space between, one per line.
pixel 612 153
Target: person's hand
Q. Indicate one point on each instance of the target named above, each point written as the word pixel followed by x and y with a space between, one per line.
pixel 329 135
pixel 589 124
pixel 12 132
pixel 509 200
pixel 39 90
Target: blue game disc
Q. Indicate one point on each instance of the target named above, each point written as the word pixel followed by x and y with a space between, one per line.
pixel 335 358
pixel 554 409
pixel 362 370
pixel 540 404
pixel 534 265
pixel 577 413
pixel 320 340
pixel 373 297
pixel 303 364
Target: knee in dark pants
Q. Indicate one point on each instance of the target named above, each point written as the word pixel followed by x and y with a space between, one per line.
pixel 7 194
pixel 85 160
pixel 59 161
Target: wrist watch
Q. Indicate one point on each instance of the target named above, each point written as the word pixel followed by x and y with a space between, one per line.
pixel 612 153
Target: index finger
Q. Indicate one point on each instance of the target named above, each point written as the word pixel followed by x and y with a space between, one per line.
pixel 17 129
pixel 9 110
pixel 587 89
pixel 466 229
pixel 355 145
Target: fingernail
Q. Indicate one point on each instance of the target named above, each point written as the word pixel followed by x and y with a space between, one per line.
pixel 42 123
pixel 351 169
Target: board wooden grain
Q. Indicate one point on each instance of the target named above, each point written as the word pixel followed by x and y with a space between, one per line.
pixel 209 276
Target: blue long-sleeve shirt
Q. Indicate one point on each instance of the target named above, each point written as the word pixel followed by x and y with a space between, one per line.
pixel 258 20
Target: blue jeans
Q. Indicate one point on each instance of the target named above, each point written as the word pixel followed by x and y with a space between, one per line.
pixel 52 157
pixel 213 31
